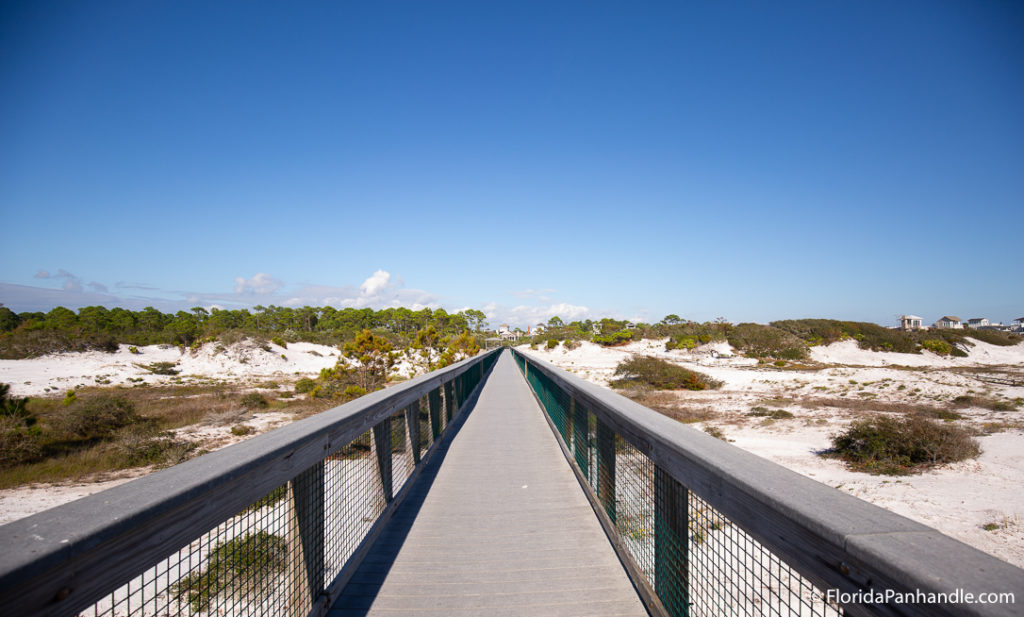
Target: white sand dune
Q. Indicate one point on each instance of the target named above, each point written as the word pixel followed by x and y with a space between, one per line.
pixel 957 499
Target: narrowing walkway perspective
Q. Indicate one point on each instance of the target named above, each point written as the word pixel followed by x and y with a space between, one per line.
pixel 497 525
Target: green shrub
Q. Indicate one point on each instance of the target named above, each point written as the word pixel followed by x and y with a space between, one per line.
pixel 995 337
pixel 684 342
pixel 892 446
pixel 240 430
pixel 552 343
pixel 868 335
pixel 968 400
pixel 101 416
pixel 941 348
pixel 140 445
pixel 280 342
pixel 759 341
pixel 940 414
pixel 650 372
pixel 69 398
pixel 774 414
pixel 18 443
pixel 247 564
pixel 354 391
pixel 615 338
pixel 15 408
pixel 134 350
pixel 254 400
pixel 304 385
pixel 160 368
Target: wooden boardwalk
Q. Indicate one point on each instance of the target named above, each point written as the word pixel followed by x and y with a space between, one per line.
pixel 497 525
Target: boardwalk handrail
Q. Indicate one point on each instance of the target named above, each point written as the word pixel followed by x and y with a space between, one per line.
pixel 721 520
pixel 64 560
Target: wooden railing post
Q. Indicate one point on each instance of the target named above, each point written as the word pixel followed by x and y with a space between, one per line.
pixel 434 400
pixel 606 468
pixel 671 543
pixel 382 445
pixel 460 391
pixel 449 399
pixel 412 420
pixel 306 539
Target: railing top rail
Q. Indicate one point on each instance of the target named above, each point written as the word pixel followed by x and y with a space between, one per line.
pixel 136 523
pixel 835 539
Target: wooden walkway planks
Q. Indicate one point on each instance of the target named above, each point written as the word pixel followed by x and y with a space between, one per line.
pixel 497 526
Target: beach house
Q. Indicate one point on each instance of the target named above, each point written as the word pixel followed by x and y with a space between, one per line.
pixel 949 322
pixel 910 322
pixel 977 322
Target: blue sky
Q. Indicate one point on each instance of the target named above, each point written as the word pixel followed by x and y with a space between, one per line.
pixel 750 160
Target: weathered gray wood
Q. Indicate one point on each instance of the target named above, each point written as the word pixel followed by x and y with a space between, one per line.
pixel 306 539
pixel 450 404
pixel 503 507
pixel 62 560
pixel 382 447
pixel 412 421
pixel 811 526
pixel 434 402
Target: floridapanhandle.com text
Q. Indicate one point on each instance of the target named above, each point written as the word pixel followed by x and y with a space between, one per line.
pixel 891 596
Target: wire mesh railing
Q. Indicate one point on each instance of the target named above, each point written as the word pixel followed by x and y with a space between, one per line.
pixel 708 530
pixel 269 527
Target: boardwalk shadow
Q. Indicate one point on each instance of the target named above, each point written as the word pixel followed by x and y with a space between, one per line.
pixel 358 596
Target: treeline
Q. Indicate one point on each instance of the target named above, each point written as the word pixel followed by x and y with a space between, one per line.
pixel 789 339
pixel 30 334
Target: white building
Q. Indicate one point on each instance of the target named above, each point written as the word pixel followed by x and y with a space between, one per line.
pixel 910 322
pixel 949 322
pixel 977 322
pixel 508 335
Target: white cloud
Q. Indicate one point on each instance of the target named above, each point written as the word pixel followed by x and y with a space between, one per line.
pixel 42 274
pixel 524 315
pixel 380 290
pixel 373 286
pixel 262 284
pixel 98 287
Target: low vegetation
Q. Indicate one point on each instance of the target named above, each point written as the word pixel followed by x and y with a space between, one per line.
pixel 109 429
pixel 759 341
pixel 971 400
pixel 668 404
pixel 247 564
pixel 30 334
pixel 899 446
pixel 654 373
pixel 614 338
pixel 254 401
pixel 774 414
pixel 95 433
pixel 879 338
